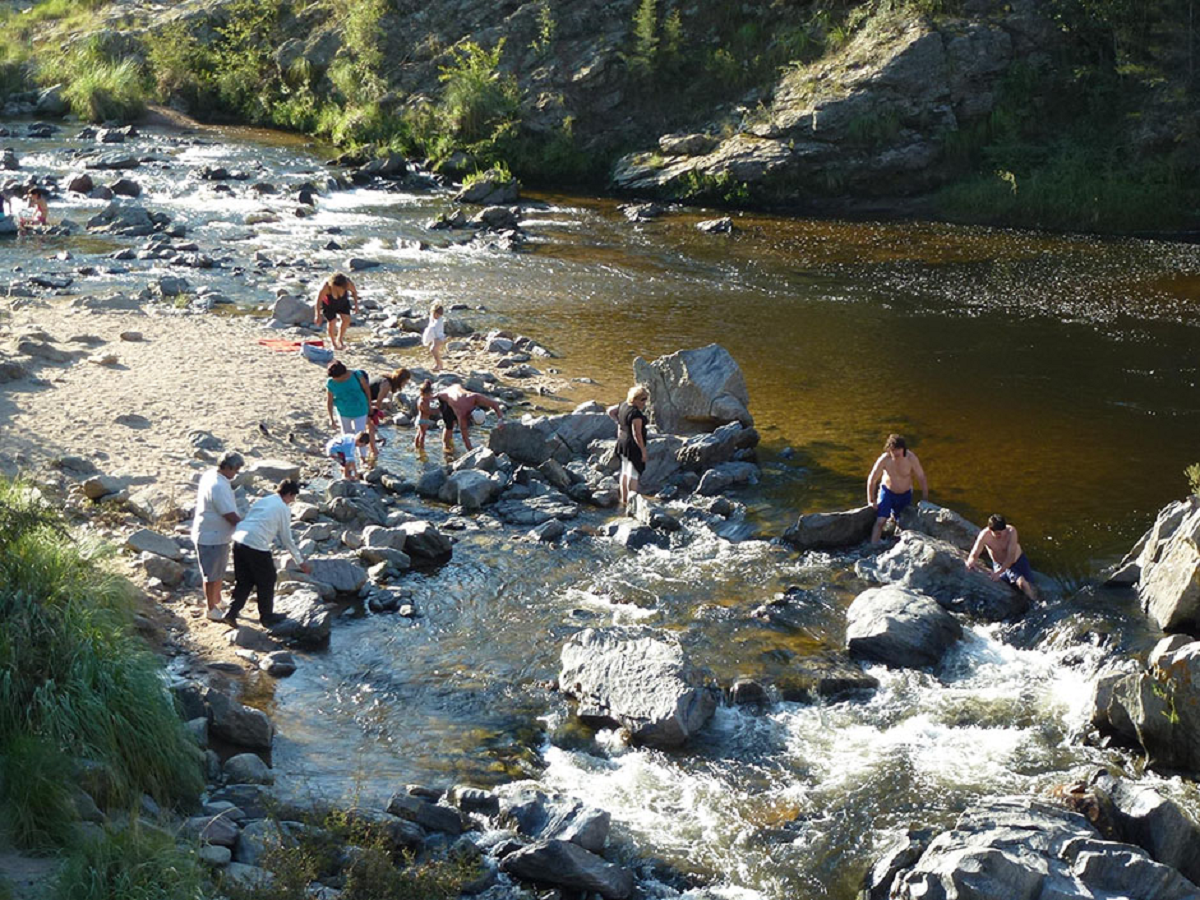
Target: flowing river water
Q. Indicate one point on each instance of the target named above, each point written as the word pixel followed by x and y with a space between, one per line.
pixel 1053 378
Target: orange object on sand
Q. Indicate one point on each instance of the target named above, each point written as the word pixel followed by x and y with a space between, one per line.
pixel 286 345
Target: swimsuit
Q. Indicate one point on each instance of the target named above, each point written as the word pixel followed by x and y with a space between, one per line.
pixel 449 416
pixel 1020 569
pixel 891 503
pixel 332 307
pixel 627 446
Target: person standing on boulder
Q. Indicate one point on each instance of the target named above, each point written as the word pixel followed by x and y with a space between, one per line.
pixel 212 527
pixel 461 407
pixel 1009 562
pixel 333 302
pixel 894 470
pixel 269 520
pixel 631 439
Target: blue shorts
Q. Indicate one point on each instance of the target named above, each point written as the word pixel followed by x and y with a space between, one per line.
pixel 1020 569
pixel 890 503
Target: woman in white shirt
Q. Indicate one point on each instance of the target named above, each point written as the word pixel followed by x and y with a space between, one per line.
pixel 269 520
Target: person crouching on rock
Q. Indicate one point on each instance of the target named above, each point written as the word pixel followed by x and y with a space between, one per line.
pixel 894 470
pixel 344 450
pixel 380 389
pixel 269 520
pixel 1009 562
pixel 631 439
pixel 333 302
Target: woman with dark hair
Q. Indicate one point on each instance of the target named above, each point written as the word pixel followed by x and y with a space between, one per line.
pixel 350 394
pixel 333 302
pixel 631 439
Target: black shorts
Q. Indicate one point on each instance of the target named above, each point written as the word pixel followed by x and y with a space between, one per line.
pixel 332 308
pixel 449 417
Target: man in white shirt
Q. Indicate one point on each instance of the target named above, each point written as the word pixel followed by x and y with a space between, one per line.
pixel 212 526
pixel 269 520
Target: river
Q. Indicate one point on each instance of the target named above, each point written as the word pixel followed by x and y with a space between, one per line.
pixel 1048 377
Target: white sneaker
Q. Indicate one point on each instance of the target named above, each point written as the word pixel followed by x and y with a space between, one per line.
pixel 216 614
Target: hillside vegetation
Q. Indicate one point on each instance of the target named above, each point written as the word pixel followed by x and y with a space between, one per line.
pixel 1062 113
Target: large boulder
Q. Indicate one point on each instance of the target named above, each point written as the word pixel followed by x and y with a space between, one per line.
pixel 568 865
pixel 239 725
pixel 1144 816
pixel 1164 706
pixel 489 189
pixel 1149 547
pixel 936 568
pixel 425 544
pixel 307 622
pixel 576 430
pixel 942 523
pixel 692 391
pixel 640 678
pixel 345 576
pixel 122 219
pixel 520 442
pixel 468 488
pixel 828 531
pixel 289 310
pixel 1017 849
pixel 899 627
pixel 703 451
pixel 1169 583
pixel 146 541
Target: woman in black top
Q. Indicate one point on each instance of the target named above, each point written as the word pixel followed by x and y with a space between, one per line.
pixel 631 439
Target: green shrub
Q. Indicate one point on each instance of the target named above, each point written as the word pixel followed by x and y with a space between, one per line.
pixel 180 66
pixel 546 31
pixel 74 677
pixel 498 172
pixel 478 103
pixel 134 863
pixel 96 87
pixel 1193 476
pixel 36 809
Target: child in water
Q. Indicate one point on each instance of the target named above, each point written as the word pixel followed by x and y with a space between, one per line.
pixel 425 414
pixel 345 449
pixel 434 336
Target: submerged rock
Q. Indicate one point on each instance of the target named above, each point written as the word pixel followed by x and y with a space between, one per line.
pixel 695 390
pixel 640 678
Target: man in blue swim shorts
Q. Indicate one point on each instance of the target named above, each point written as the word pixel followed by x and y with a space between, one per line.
pixel 894 471
pixel 1009 562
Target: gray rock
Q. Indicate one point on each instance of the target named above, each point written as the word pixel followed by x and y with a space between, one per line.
pixel 80 184
pixel 1017 849
pixel 522 443
pixel 650 513
pixel 102 486
pixel 490 190
pixel 428 815
pixel 50 101
pixel 1169 586
pixel 536 510
pixel 549 531
pixel 425 544
pixel 289 310
pixel 703 451
pixel 219 830
pixel 941 523
pixel 345 576
pixel 257 838
pixel 695 390
pixel 279 664
pixel 474 800
pixel 272 470
pixel 431 481
pixel 239 725
pixel 899 627
pixel 358 263
pixel 214 856
pixel 1164 708
pixel 568 865
pixel 248 768
pixel 1145 817
pixel 933 567
pixel 725 476
pixel 576 430
pixel 635 536
pixel 121 219
pixel 639 678
pixel 113 161
pixel 147 541
pixel 248 878
pixel 469 488
pixel 126 187
pixel 583 825
pixel 169 572
pixel 308 620
pixel 828 531
pixel 723 225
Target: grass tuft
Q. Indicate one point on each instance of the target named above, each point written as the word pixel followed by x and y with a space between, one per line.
pixel 133 863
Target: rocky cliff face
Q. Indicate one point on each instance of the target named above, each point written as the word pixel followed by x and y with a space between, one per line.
pixel 871 121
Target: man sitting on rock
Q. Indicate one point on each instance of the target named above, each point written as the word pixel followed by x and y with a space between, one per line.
pixel 459 406
pixel 1009 561
pixel 896 466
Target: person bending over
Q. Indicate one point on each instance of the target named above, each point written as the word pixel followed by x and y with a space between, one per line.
pixel 269 520
pixel 1009 562
pixel 333 302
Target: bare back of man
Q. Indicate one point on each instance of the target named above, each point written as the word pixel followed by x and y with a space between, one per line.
pixel 1009 562
pixel 457 404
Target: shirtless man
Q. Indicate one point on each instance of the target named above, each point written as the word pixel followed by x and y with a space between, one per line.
pixel 457 404
pixel 1009 561
pixel 897 467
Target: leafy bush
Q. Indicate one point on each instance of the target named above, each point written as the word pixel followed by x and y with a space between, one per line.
pixel 478 103
pixel 498 173
pixel 134 863
pixel 75 680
